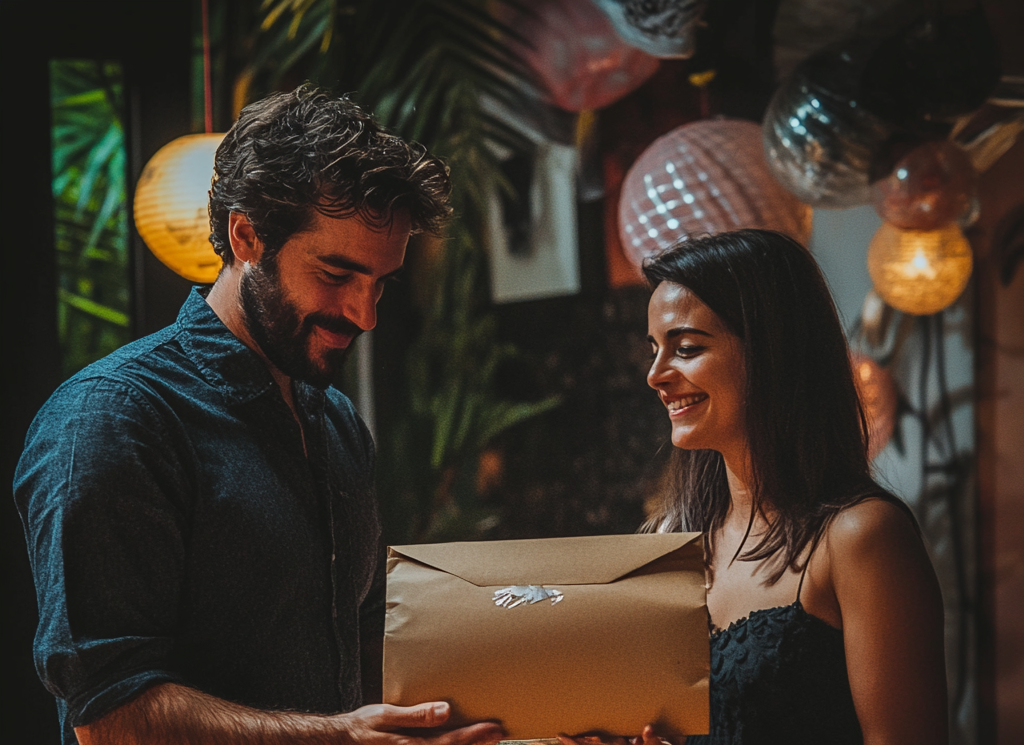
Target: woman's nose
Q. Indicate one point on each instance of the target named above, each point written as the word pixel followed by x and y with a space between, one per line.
pixel 656 376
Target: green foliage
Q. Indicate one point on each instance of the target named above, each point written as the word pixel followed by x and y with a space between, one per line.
pixel 91 231
pixel 424 67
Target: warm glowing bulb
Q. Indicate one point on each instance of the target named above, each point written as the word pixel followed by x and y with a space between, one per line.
pixel 170 206
pixel 920 267
pixel 878 396
pixel 919 271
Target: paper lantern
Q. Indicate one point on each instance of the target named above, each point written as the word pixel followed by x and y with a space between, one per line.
pixel 663 29
pixel 878 396
pixel 820 143
pixel 708 176
pixel 919 271
pixel 171 206
pixel 933 185
pixel 577 55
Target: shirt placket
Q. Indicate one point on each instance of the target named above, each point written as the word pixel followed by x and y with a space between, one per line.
pixel 348 654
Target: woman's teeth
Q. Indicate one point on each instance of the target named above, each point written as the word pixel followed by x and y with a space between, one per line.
pixel 682 403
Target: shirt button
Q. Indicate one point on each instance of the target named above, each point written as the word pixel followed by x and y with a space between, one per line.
pixel 332 557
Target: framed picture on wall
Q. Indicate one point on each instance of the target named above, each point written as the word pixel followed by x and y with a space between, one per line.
pixel 531 229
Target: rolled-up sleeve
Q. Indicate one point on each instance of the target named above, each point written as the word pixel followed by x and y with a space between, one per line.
pixel 103 501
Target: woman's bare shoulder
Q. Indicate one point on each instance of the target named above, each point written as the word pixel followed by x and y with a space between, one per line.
pixel 871 524
pixel 874 549
pixel 892 620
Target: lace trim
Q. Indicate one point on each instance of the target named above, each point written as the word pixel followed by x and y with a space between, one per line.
pixel 717 631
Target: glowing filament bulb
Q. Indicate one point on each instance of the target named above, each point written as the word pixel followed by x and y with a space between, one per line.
pixel 919 271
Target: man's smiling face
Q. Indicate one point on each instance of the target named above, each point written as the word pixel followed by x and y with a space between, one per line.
pixel 306 304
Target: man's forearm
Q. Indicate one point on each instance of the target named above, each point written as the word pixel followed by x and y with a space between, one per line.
pixel 171 714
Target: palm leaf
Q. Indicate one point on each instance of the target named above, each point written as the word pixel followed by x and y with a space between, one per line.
pixel 425 69
pixel 89 210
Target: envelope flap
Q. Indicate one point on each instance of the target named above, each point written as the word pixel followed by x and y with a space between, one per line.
pixel 548 561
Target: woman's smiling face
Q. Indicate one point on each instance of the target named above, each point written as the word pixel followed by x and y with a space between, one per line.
pixel 698 372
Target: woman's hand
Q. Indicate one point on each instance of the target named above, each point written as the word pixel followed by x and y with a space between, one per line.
pixel 646 738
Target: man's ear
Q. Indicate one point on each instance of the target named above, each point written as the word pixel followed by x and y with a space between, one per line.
pixel 244 243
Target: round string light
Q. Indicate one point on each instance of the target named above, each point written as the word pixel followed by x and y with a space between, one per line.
pixel 170 208
pixel 933 185
pixel 707 176
pixel 919 271
pixel 878 396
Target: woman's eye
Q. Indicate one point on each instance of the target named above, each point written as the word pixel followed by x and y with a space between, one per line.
pixel 690 350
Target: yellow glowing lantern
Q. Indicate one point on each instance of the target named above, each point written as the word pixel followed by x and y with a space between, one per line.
pixel 919 271
pixel 171 211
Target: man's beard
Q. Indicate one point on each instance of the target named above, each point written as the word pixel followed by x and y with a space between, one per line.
pixel 282 335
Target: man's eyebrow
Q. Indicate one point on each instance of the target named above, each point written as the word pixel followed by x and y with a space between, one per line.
pixel 340 262
pixel 681 331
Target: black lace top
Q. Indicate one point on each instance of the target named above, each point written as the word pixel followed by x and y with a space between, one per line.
pixel 779 676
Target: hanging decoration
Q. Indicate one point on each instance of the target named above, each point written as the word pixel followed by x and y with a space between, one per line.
pixel 875 317
pixel 932 186
pixel 574 51
pixel 879 397
pixel 941 65
pixel 919 271
pixel 707 176
pixel 172 195
pixel 663 28
pixel 820 143
pixel 170 207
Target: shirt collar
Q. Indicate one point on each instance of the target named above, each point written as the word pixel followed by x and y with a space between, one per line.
pixel 221 357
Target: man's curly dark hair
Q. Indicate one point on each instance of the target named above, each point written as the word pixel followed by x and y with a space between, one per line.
pixel 292 153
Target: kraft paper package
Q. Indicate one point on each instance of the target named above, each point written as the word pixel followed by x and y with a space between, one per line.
pixel 599 634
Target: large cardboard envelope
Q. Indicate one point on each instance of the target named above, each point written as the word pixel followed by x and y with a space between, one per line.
pixel 549 636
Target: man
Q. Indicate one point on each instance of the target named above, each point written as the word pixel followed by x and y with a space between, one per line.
pixel 198 506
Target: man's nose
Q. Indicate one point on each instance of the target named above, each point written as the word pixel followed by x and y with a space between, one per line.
pixel 365 311
pixel 360 307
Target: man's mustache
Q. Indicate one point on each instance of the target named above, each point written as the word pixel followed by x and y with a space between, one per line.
pixel 334 324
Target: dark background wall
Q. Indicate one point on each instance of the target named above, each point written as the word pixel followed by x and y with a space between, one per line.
pixel 152 40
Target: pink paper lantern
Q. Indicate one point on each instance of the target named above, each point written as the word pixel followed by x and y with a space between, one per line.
pixel 708 176
pixel 878 396
pixel 577 54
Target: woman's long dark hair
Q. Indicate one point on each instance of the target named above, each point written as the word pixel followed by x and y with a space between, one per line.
pixel 805 426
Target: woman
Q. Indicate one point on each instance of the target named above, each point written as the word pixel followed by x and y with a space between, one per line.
pixel 826 614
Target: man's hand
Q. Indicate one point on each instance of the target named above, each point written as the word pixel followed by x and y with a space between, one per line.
pixel 384 724
pixel 170 714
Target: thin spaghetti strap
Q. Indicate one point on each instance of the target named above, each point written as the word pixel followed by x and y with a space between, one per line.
pixel 807 563
pixel 707 562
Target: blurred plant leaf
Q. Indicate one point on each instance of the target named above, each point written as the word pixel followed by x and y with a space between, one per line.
pixel 90 215
pixel 425 68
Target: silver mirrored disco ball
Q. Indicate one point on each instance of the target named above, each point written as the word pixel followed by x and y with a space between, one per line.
pixel 819 142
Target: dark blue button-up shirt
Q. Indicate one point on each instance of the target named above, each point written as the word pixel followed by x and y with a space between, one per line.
pixel 178 532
